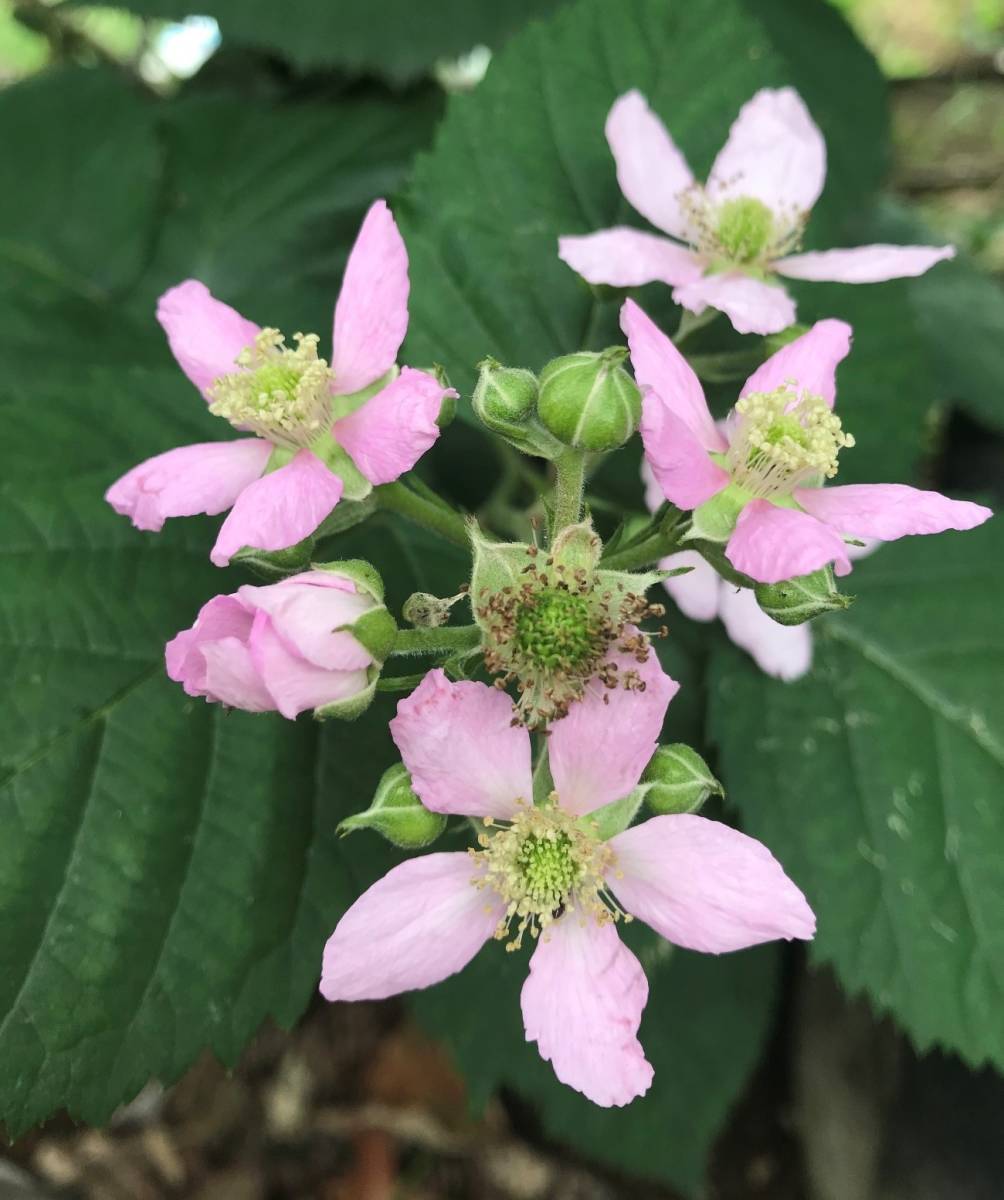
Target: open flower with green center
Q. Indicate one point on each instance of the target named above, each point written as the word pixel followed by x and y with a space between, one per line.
pixel 319 430
pixel 739 229
pixel 545 874
pixel 757 488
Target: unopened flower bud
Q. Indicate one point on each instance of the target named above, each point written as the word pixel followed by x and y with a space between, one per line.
pixel 795 601
pixel 505 400
pixel 588 401
pixel 397 813
pixel 678 780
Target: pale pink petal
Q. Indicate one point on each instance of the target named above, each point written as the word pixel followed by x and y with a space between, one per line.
pixel 784 651
pixel 705 886
pixel 293 683
pixel 658 365
pixel 232 678
pixel 863 264
pixel 889 510
pixel 682 467
pixel 582 1004
pixel 205 335
pixel 394 428
pixel 623 257
pixel 423 921
pixel 695 594
pixel 280 509
pixel 750 304
pixel 774 153
pixel 204 478
pixel 770 544
pixel 219 618
pixel 371 316
pixel 651 171
pixel 810 362
pixel 305 610
pixel 461 748
pixel 598 752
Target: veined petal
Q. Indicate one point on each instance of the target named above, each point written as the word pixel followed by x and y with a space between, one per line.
pixel 750 304
pixel 705 886
pixel 204 478
pixel 371 315
pixel 863 264
pixel 658 365
pixel 682 468
pixel 784 651
pixel 231 678
pixel 651 170
pixel 422 922
pixel 205 335
pixel 599 750
pixel 294 683
pixel 582 1004
pixel 810 362
pixel 623 257
pixel 770 544
pixel 463 752
pixel 889 510
pixel 774 153
pixel 223 617
pixel 394 428
pixel 280 509
pixel 696 594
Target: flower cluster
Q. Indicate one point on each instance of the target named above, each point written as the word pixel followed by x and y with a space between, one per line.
pixel 536 727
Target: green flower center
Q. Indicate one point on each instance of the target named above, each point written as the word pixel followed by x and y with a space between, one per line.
pixel 557 629
pixel 281 394
pixel 744 230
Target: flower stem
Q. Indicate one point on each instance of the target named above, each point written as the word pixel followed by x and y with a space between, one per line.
pixel 661 537
pixel 570 469
pixel 446 639
pixel 438 517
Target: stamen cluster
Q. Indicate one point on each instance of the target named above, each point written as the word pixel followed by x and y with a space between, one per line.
pixel 741 231
pixel 281 394
pixel 782 439
pixel 544 864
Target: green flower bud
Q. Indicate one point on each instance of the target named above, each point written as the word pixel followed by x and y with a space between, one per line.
pixel 678 780
pixel 397 813
pixel 798 600
pixel 588 401
pixel 505 400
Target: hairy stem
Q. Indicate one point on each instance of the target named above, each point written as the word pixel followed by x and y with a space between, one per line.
pixel 433 515
pixel 446 639
pixel 570 470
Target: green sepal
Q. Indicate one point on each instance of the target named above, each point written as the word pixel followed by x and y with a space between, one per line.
pixel 343 406
pixel 397 814
pixel 714 553
pixel 497 565
pixel 715 519
pixel 615 817
pixel 677 780
pixel 352 706
pixel 365 576
pixel 355 485
pixel 635 582
pixel 375 631
pixel 276 564
pixel 795 601
pixel 346 515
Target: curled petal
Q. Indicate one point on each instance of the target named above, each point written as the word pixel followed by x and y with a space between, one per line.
pixel 582 1004
pixel 223 617
pixel 280 509
pixel 750 304
pixel 863 264
pixel 623 257
pixel 463 752
pixel 681 466
pixel 784 651
pixel 371 316
pixel 205 335
pixel 705 886
pixel 889 510
pixel 422 922
pixel 770 544
pixel 810 362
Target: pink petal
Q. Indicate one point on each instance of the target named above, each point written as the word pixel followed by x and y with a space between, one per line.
pixel 223 617
pixel 889 510
pixel 705 886
pixel 751 305
pixel 205 335
pixel 658 365
pixel 294 683
pixel 280 509
pixel 651 171
pixel 463 752
pixel 810 362
pixel 695 594
pixel 770 544
pixel 863 264
pixel 623 257
pixel 681 466
pixel 305 610
pixel 784 651
pixel 582 1004
pixel 394 428
pixel 423 921
pixel 598 752
pixel 371 316
pixel 204 478
pixel 774 153
pixel 232 678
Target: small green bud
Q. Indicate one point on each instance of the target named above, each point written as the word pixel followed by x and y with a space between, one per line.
pixel 588 401
pixel 678 780
pixel 397 813
pixel 505 397
pixel 795 601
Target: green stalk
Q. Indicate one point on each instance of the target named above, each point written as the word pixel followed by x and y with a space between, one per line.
pixel 447 639
pixel 570 470
pixel 439 518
